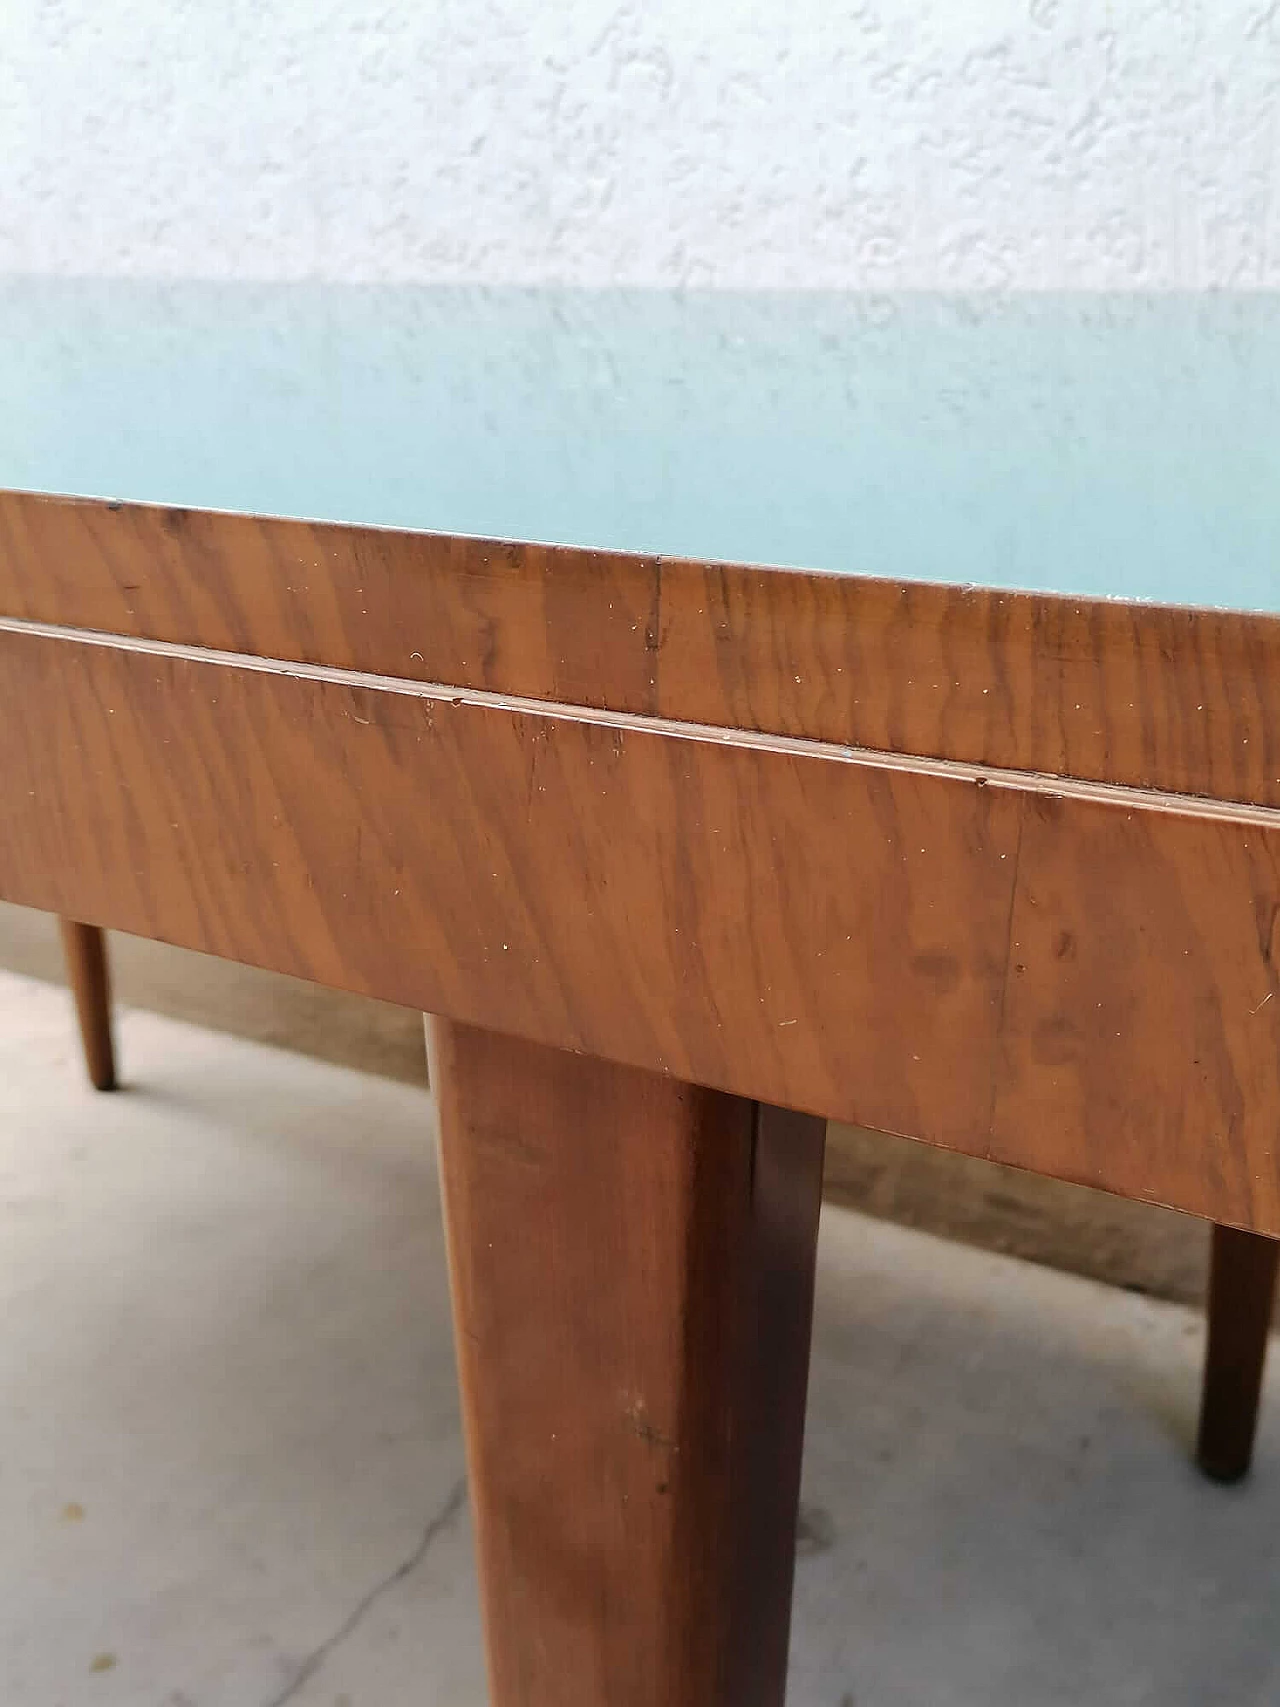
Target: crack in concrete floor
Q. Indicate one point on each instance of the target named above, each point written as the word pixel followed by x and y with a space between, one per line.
pixel 316 1658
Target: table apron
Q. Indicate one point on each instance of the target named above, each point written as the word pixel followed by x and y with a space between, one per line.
pixel 1070 978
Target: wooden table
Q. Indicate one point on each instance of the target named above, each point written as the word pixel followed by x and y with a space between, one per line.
pixel 950 832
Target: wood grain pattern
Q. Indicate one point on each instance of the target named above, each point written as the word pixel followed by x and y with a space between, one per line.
pixel 636 1528
pixel 84 949
pixel 1179 701
pixel 1242 1289
pixel 1138 695
pixel 1071 979
pixel 563 625
pixel 1120 936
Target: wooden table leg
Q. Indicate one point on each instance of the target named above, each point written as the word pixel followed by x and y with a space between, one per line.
pixel 632 1264
pixel 85 949
pixel 1242 1285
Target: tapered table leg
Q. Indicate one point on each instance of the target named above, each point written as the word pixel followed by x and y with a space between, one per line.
pixel 1242 1285
pixel 85 949
pixel 632 1265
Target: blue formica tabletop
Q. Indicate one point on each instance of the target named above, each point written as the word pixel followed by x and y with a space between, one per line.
pixel 1126 447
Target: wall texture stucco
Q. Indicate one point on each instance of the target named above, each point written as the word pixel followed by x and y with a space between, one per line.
pixel 1081 144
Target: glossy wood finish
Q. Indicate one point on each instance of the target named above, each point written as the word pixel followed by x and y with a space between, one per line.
pixel 1172 700
pixel 1242 1289
pixel 85 951
pixel 638 825
pixel 1070 979
pixel 632 1264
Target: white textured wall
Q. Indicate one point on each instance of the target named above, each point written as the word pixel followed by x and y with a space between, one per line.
pixel 962 143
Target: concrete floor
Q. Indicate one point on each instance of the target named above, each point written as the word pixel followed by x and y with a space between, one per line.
pixel 230 1461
